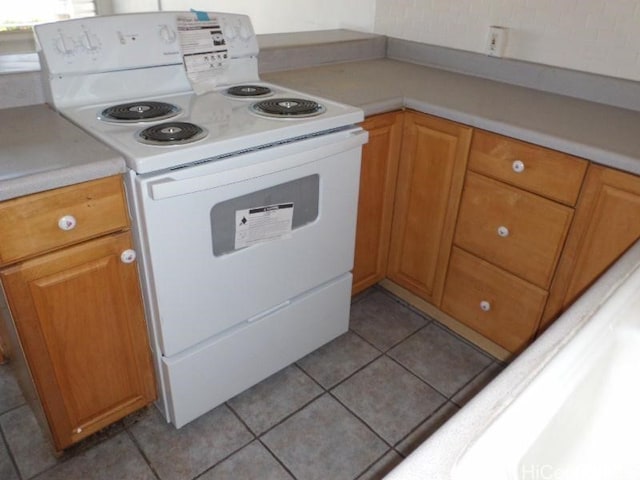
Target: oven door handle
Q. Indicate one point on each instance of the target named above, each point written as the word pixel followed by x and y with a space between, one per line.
pixel 172 187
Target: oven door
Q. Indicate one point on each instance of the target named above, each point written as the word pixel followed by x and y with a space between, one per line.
pixel 231 241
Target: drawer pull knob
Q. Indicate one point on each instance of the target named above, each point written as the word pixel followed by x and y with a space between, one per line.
pixel 518 166
pixel 68 222
pixel 77 430
pixel 128 256
pixel 503 231
pixel 485 306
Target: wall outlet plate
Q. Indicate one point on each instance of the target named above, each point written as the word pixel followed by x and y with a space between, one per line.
pixel 496 41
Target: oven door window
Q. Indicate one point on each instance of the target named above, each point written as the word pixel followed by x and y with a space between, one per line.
pixel 302 194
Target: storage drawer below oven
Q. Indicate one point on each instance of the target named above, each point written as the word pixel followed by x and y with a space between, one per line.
pixel 208 374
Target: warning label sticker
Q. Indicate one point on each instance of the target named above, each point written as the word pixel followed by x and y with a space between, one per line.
pixel 262 224
pixel 204 49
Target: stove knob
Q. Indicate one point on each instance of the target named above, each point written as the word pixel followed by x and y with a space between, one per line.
pixel 64 44
pixel 230 31
pixel 244 32
pixel 90 42
pixel 167 34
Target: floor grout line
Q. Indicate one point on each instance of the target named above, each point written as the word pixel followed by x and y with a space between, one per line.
pixel 10 453
pixel 134 440
pixel 281 462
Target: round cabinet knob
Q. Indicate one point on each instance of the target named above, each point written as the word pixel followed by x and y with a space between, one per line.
pixel 77 430
pixel 128 256
pixel 68 222
pixel 503 231
pixel 485 306
pixel 518 166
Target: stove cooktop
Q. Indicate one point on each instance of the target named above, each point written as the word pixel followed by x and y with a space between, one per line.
pixel 148 86
pixel 227 125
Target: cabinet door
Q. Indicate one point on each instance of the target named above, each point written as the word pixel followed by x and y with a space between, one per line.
pixel 375 204
pixel 430 178
pixel 606 224
pixel 80 318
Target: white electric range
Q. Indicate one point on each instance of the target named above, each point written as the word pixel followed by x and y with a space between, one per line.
pixel 243 194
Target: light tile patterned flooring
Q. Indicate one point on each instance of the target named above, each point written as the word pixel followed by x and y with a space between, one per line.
pixel 352 409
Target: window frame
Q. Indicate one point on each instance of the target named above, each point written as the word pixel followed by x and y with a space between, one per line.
pixel 18 42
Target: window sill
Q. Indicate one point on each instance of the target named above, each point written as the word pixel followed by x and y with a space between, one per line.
pixel 20 62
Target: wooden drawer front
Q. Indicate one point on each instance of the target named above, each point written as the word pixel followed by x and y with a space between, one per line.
pixel 546 172
pixel 513 307
pixel 29 225
pixel 535 228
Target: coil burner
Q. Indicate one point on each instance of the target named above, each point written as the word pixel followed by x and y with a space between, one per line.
pixel 139 112
pixel 288 108
pixel 172 133
pixel 248 91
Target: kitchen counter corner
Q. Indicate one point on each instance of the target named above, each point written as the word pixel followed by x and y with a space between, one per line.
pixel 601 133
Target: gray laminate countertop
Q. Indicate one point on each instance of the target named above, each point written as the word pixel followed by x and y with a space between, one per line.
pixel 40 150
pixel 601 133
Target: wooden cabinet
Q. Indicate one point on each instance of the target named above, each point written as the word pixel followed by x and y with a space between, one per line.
pixel 430 178
pixel 488 233
pixel 77 310
pixel 511 229
pixel 375 204
pixel 607 223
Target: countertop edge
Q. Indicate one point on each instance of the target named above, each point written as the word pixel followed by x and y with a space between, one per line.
pixel 60 177
pixel 571 147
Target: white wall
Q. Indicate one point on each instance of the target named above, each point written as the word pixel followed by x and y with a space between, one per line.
pixel 129 6
pixel 598 36
pixel 273 16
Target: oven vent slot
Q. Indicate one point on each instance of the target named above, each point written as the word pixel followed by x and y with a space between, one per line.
pixel 257 148
pixel 180 167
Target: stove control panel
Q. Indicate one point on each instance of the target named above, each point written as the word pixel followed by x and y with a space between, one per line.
pixel 140 40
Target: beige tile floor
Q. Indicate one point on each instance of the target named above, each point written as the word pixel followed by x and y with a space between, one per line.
pixel 352 409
